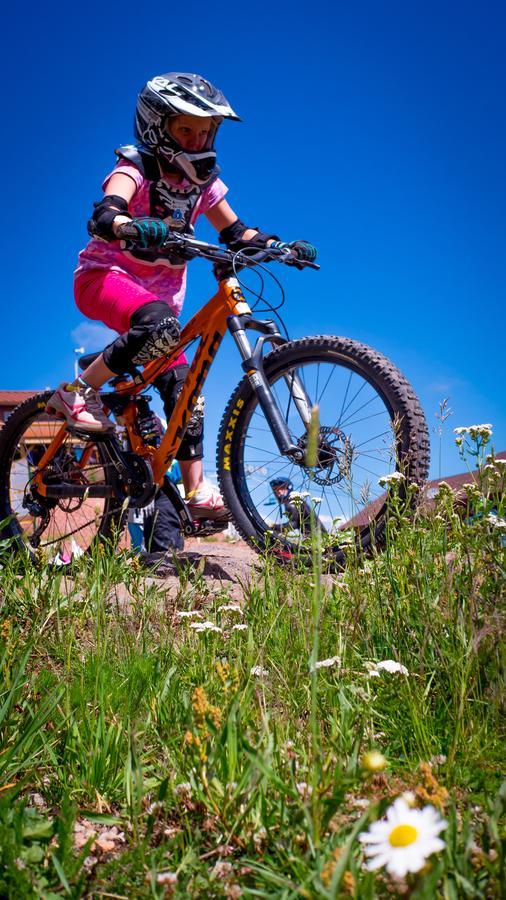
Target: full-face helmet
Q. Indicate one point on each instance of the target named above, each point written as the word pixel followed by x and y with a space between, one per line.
pixel 175 94
pixel 281 484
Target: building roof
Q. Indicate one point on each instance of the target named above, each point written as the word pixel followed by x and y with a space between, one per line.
pixel 456 482
pixel 13 398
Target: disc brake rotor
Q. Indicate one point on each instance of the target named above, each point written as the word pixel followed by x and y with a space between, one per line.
pixel 334 455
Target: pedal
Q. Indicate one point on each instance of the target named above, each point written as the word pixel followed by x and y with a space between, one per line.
pixel 208 527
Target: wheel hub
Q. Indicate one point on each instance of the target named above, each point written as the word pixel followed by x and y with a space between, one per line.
pixel 334 456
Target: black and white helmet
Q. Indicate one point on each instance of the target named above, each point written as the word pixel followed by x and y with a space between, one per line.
pixel 176 94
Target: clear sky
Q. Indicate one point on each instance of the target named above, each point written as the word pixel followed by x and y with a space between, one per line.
pixel 376 130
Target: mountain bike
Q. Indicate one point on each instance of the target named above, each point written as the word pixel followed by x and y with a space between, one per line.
pixel 62 490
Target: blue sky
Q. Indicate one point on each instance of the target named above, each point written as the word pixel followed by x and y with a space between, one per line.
pixel 374 130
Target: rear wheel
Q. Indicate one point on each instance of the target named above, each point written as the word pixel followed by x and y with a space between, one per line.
pixel 64 528
pixel 370 425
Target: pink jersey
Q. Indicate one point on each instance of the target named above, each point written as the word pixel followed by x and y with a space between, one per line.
pixel 179 205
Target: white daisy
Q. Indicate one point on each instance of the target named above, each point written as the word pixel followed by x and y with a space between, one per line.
pixel 188 614
pixel 404 839
pixel 240 627
pixel 230 607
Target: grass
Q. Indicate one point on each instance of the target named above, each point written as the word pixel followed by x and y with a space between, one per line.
pixel 143 758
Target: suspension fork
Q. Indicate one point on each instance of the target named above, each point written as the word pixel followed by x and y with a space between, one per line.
pixel 252 364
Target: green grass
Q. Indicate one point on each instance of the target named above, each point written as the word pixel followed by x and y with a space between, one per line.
pixel 124 719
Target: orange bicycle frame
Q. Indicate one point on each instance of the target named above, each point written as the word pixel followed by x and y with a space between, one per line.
pixel 209 324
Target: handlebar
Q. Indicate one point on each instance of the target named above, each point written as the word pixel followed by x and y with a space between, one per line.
pixel 190 247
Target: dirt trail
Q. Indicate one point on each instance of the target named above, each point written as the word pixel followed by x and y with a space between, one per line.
pixel 224 566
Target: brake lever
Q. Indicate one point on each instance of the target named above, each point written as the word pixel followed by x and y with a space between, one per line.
pixel 289 258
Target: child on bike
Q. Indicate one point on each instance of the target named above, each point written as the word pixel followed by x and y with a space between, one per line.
pixel 162 184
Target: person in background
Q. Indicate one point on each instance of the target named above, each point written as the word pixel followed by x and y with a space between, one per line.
pixel 293 505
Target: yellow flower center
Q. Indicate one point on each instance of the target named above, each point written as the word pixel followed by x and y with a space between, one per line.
pixel 403 835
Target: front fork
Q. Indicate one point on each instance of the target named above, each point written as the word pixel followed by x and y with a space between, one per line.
pixel 252 363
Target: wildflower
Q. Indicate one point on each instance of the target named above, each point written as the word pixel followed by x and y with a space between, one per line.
pixel 154 807
pixel 393 478
pixel 444 490
pixel 438 760
pixel 166 878
pixel 230 607
pixel 430 791
pixel 404 839
pixel 241 626
pixel 326 663
pixel 359 802
pixel 189 614
pixel 374 761
pixel 475 431
pixel 259 837
pixel 391 666
pixel 222 869
pixel 304 790
pixel 199 627
pixel 259 671
pixel 182 789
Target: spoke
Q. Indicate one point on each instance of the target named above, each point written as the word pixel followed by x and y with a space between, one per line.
pixel 268 478
pixel 338 502
pixel 348 424
pixel 383 450
pixel 372 439
pixel 257 428
pixel 361 388
pixel 332 373
pixel 344 398
pixel 363 469
pixel 263 450
pixel 289 397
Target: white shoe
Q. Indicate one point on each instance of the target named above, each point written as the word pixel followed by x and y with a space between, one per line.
pixel 81 407
pixel 207 503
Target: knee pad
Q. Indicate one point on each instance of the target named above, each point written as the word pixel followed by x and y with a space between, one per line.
pixel 160 341
pixel 153 333
pixel 195 425
pixel 170 385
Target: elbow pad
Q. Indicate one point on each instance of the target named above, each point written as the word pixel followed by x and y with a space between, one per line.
pixel 232 237
pixel 104 213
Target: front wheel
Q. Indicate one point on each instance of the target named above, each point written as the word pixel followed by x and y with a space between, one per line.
pixel 370 425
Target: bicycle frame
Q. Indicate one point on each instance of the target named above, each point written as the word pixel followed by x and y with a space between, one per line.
pixel 227 309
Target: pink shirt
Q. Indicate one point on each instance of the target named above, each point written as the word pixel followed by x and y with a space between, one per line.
pixel 163 277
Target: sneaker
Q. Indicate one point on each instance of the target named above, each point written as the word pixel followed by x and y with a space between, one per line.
pixel 207 503
pixel 80 406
